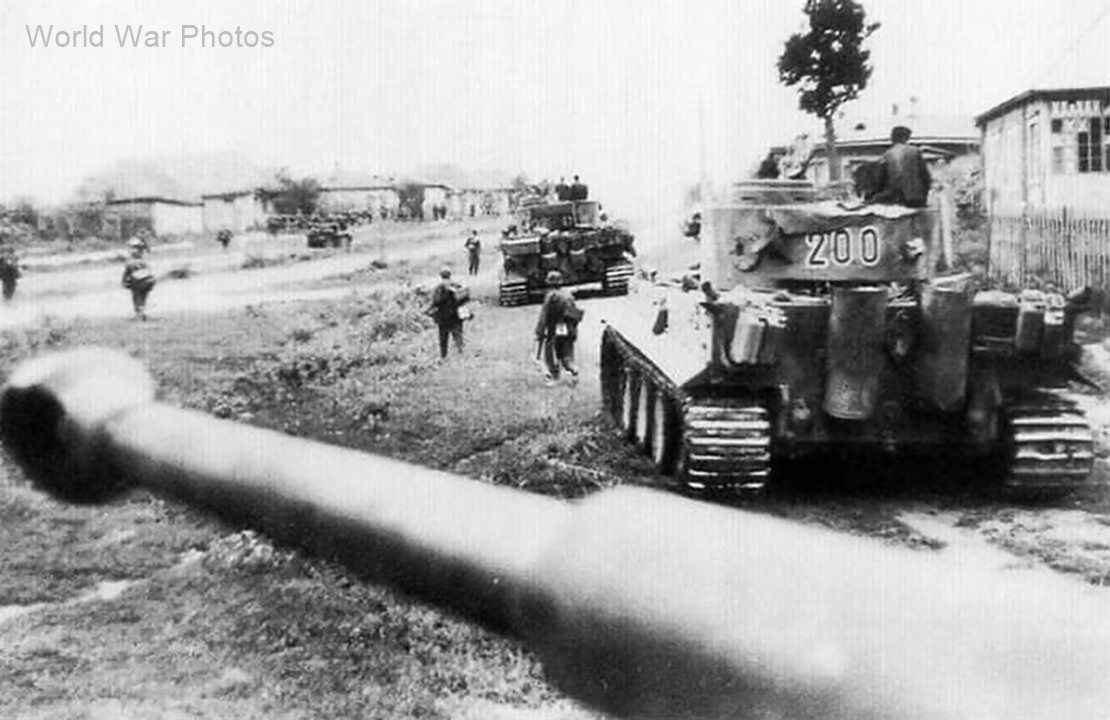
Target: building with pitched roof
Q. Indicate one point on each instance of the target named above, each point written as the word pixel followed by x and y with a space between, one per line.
pixel 1047 149
pixel 941 139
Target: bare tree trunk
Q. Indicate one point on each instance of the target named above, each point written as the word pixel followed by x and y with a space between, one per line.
pixel 830 149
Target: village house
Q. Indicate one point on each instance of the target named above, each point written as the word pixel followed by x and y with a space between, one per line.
pixel 435 196
pixel 163 216
pixel 346 192
pixel 476 202
pixel 237 211
pixel 1047 150
pixel 940 138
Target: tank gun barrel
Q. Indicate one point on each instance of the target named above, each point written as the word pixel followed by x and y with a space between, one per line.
pixel 640 603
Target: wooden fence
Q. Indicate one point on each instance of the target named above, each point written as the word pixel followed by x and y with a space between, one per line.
pixel 1064 248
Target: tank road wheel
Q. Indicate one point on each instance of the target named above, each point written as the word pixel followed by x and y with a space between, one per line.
pixel 663 432
pixel 610 363
pixel 629 391
pixel 642 433
pixel 1047 450
pixel 616 279
pixel 512 292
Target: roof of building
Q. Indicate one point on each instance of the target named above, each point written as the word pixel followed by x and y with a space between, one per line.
pixel 351 180
pixel 927 130
pixel 1101 93
pixel 150 199
pixel 229 195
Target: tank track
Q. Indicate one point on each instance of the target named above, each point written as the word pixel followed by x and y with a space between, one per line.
pixel 512 292
pixel 726 445
pixel 1049 448
pixel 616 279
pixel 705 446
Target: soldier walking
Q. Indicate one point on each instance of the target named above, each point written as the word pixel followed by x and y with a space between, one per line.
pixel 138 278
pixel 447 297
pixel 557 330
pixel 9 273
pixel 474 252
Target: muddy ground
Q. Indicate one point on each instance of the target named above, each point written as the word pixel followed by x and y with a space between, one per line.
pixel 140 609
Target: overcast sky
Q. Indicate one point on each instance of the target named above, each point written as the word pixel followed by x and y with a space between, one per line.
pixel 610 89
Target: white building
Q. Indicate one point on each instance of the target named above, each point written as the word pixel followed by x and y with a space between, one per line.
pixel 164 216
pixel 237 211
pixel 1048 149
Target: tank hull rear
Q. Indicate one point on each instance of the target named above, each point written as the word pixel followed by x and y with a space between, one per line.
pixel 582 256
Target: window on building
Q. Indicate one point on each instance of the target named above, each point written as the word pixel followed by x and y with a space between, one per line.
pixel 1057 126
pixel 1106 144
pixel 1090 147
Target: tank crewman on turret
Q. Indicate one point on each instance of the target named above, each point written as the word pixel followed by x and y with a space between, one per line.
pixel 557 329
pixel 579 190
pixel 562 190
pixel 474 252
pixel 224 237
pixel 446 299
pixel 138 278
pixel 903 177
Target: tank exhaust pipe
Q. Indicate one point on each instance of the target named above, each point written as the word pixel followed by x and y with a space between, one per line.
pixel 857 323
pixel 640 603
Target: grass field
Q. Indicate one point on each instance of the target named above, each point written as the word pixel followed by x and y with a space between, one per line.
pixel 215 622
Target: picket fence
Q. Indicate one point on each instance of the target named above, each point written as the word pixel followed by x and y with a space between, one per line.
pixel 1063 248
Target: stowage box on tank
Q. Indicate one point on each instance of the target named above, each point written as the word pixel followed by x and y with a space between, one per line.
pixel 569 237
pixel 819 328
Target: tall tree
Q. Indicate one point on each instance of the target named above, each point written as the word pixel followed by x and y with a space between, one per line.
pixel 290 196
pixel 828 64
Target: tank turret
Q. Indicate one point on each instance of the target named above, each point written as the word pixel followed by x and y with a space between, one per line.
pixel 824 328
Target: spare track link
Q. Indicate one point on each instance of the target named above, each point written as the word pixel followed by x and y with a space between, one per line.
pixel 513 293
pixel 1051 448
pixel 726 445
pixel 617 278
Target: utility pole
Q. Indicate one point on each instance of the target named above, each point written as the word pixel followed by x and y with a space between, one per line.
pixel 703 177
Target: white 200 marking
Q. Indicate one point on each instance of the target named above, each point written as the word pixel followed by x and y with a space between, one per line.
pixel 841 248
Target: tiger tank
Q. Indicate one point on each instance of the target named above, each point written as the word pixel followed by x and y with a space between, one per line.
pixel 820 329
pixel 571 237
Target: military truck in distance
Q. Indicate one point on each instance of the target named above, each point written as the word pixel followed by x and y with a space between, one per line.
pixel 818 330
pixel 571 237
pixel 328 234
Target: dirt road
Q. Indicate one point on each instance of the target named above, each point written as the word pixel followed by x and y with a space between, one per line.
pixel 215 280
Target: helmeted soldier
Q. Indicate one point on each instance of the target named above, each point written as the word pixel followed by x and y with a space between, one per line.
pixel 446 299
pixel 138 278
pixel 557 329
pixel 474 252
pixel 9 272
